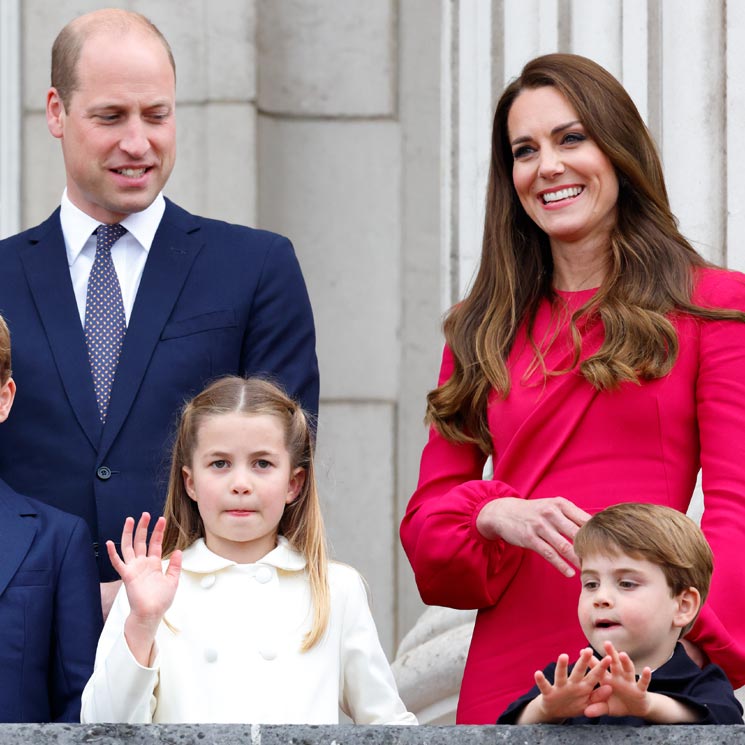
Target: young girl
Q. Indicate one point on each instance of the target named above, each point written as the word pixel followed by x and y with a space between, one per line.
pixel 248 621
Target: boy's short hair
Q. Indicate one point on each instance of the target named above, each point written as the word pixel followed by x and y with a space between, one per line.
pixel 658 534
pixel 5 370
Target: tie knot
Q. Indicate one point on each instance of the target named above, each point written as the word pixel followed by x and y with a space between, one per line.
pixel 108 235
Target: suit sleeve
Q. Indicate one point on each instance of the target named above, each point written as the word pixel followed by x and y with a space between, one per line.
pixel 281 339
pixel 368 693
pixel 454 565
pixel 720 398
pixel 77 625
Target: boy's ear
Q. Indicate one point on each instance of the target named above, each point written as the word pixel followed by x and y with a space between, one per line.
pixel 295 485
pixel 7 394
pixel 689 602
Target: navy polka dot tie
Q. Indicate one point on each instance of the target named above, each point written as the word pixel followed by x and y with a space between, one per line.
pixel 105 322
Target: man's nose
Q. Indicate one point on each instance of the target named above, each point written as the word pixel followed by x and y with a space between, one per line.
pixel 134 141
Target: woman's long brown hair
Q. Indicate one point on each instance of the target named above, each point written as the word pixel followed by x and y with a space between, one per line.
pixel 650 271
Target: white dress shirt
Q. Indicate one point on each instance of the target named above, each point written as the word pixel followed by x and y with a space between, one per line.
pixel 230 651
pixel 129 253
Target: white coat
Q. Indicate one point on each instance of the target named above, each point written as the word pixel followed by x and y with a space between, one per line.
pixel 232 652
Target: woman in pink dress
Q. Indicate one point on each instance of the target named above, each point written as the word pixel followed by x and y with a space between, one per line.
pixel 598 359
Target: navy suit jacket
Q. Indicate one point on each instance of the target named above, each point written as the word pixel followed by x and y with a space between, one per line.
pixel 214 299
pixel 50 611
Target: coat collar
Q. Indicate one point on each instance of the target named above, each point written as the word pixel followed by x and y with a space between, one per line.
pixel 200 560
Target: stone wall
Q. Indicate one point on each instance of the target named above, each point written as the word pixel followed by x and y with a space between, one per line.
pixel 236 734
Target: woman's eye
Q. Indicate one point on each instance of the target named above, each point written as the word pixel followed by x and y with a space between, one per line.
pixel 521 152
pixel 572 138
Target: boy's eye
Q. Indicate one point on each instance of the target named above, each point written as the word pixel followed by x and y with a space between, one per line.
pixel 590 585
pixel 627 584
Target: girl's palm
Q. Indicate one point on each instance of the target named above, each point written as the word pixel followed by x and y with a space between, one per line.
pixel 150 591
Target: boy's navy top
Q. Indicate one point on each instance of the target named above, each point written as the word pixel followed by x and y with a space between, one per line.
pixel 50 610
pixel 707 690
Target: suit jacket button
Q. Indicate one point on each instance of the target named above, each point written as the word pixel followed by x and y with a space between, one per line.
pixel 103 473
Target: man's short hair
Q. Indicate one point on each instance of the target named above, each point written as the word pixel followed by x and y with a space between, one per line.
pixel 658 534
pixel 5 370
pixel 68 45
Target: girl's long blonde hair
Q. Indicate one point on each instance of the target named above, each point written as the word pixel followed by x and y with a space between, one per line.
pixel 301 523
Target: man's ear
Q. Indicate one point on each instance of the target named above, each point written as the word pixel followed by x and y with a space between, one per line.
pixel 7 394
pixel 55 113
pixel 689 602
pixel 295 485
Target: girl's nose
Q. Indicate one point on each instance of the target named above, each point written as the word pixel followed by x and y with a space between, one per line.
pixel 241 483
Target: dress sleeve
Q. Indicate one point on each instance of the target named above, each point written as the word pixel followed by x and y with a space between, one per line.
pixel 120 690
pixel 367 690
pixel 720 399
pixel 454 565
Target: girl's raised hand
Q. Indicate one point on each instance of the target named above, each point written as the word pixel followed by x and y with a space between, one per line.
pixel 150 591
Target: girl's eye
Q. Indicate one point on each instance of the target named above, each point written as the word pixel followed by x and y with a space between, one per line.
pixel 263 464
pixel 219 464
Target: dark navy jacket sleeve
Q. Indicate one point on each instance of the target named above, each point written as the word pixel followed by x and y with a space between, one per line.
pixel 76 626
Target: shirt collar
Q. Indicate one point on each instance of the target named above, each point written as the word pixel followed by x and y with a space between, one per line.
pixel 77 225
pixel 200 560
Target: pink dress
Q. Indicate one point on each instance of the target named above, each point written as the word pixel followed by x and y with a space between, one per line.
pixel 562 438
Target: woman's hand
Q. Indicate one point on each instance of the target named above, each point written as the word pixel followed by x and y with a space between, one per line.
pixel 546 526
pixel 150 592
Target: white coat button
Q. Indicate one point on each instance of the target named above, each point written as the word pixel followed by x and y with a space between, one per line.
pixel 267 651
pixel 263 575
pixel 210 654
pixel 207 581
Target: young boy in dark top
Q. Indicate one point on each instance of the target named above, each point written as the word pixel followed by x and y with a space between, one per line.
pixel 50 607
pixel 646 571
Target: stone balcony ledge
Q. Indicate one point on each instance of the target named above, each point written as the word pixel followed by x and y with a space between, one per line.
pixel 246 734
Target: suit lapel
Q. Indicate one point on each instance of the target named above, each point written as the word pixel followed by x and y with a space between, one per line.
pixel 16 533
pixel 48 275
pixel 174 249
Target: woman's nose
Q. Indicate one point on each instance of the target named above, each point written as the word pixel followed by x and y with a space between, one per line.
pixel 550 164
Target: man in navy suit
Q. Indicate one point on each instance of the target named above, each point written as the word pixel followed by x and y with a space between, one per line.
pixel 202 298
pixel 50 617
